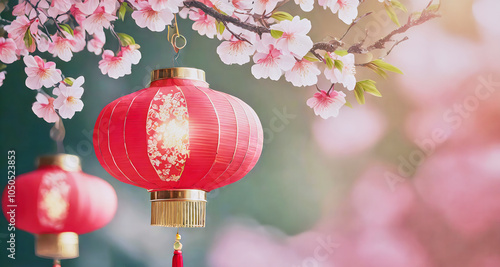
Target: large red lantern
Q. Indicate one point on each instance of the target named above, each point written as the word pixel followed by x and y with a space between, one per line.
pixel 57 202
pixel 179 140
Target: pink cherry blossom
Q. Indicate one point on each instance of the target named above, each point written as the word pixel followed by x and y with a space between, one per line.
pixel 131 53
pixel 17 29
pixel 79 40
pixel 2 77
pixel 303 73
pixel 96 44
pixel 203 24
pixel 172 5
pixel 327 105
pixel 305 5
pixel 98 20
pixel 78 14
pixel 264 6
pixel 235 52
pixel 347 75
pixel 7 50
pixel 146 16
pixel 86 7
pixel 269 61
pixel 68 101
pixel 40 73
pixel 347 9
pixel 43 42
pixel 62 47
pixel 58 7
pixel 294 38
pixel 242 4
pixel 114 66
pixel 44 108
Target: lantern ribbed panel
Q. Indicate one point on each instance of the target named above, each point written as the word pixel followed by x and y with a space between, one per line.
pixel 51 200
pixel 223 136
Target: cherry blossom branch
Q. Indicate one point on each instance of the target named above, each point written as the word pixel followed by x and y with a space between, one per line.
pixel 225 18
pixel 424 17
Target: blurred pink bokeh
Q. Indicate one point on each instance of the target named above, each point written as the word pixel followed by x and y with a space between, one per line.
pixel 446 213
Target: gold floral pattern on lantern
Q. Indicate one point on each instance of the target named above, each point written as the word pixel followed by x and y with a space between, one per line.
pixel 167 127
pixel 53 204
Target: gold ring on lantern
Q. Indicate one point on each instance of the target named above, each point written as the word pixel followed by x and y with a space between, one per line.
pixel 66 162
pixel 57 246
pixel 178 73
pixel 178 208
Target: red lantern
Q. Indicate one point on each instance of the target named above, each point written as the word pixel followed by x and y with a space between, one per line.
pixel 178 139
pixel 57 202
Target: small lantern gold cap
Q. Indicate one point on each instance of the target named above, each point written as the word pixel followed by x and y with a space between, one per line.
pixel 66 162
pixel 57 246
pixel 178 208
pixel 178 73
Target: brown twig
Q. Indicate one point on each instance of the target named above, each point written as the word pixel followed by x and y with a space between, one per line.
pixel 225 18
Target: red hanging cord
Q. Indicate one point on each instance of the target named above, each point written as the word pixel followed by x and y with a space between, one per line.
pixel 57 263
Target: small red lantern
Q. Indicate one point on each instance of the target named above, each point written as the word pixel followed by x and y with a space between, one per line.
pixel 178 139
pixel 57 202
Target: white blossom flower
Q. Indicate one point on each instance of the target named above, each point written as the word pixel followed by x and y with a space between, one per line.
pixel 347 75
pixel 235 51
pixel 269 61
pixel 264 6
pixel 68 98
pixel 131 53
pixel 172 5
pixel 294 38
pixel 154 20
pixel 305 5
pixel 327 105
pixel 203 24
pixel 114 66
pixel 44 108
pixel 40 73
pixel 303 73
pixel 347 9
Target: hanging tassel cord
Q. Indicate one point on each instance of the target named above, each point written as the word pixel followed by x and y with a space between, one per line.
pixel 177 259
pixel 57 263
pixel 177 40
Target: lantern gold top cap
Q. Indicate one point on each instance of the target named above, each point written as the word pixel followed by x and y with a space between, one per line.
pixel 178 73
pixel 66 162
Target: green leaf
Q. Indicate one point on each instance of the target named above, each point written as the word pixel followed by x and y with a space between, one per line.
pixel 369 87
pixel 68 81
pixel 28 39
pixel 281 15
pixel 220 27
pixel 392 14
pixel 310 57
pixel 347 103
pixel 386 66
pixel 341 52
pixel 276 34
pixel 122 11
pixel 434 8
pixel 399 5
pixel 338 64
pixel 67 28
pixel 329 61
pixel 359 93
pixel 125 39
pixel 377 70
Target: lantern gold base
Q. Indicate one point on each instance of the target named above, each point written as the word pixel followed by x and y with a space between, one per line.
pixel 178 208
pixel 57 246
